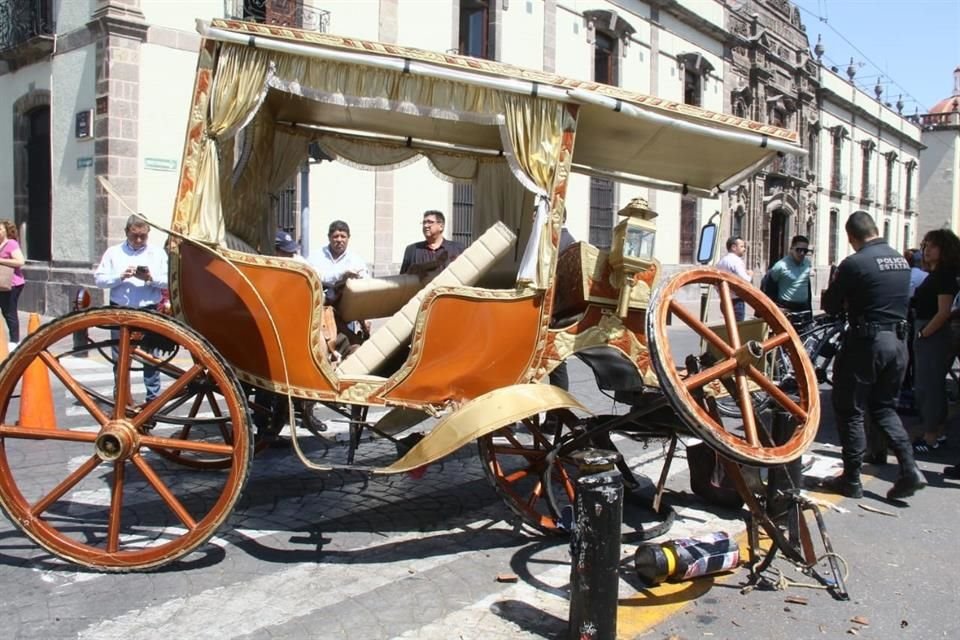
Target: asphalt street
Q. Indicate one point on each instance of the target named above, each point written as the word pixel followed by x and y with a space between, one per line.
pixel 348 555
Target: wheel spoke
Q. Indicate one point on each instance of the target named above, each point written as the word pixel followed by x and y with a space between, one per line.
pixel 729 319
pixel 746 410
pixel 567 481
pixel 225 433
pixel 777 393
pixel 701 329
pixel 154 405
pixel 171 500
pixel 122 378
pixel 535 495
pixel 775 341
pixel 174 444
pixel 519 474
pixel 65 485
pixel 710 374
pixel 116 507
pixel 73 386
pixel 23 433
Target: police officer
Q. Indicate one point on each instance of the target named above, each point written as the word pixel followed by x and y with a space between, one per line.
pixel 873 286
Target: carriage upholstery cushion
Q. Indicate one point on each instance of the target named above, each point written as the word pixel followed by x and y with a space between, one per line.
pixel 236 243
pixel 464 271
pixel 367 298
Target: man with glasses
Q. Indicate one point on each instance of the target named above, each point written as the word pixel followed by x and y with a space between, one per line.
pixel 429 257
pixel 136 275
pixel 789 277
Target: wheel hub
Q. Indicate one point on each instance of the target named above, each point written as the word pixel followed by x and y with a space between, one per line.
pixel 118 440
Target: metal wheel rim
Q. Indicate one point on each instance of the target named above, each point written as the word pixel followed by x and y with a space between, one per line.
pixel 663 301
pixel 112 555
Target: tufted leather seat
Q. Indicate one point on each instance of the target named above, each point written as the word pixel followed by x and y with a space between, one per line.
pixel 465 271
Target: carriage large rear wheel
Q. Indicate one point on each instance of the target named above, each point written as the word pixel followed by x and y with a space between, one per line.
pixel 98 482
pixel 739 365
pixel 515 459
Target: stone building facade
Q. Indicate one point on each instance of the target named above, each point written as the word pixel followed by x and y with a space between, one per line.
pixel 940 162
pixel 862 153
pixel 100 89
pixel 772 78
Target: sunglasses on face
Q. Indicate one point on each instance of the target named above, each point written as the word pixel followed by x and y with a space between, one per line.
pixel 802 250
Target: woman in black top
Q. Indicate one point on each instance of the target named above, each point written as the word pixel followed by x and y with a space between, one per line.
pixel 933 346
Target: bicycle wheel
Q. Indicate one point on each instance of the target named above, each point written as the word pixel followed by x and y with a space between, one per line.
pixel 823 352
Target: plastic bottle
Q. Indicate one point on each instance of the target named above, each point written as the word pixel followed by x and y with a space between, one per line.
pixel 678 560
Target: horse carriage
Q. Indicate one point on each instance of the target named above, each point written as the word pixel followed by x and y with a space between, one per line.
pixel 462 359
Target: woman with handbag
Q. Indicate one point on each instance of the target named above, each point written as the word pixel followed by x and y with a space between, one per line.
pixel 11 278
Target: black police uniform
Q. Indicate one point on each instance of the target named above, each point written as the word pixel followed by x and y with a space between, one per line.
pixel 873 287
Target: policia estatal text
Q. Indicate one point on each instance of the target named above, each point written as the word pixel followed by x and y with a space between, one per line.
pixel 872 286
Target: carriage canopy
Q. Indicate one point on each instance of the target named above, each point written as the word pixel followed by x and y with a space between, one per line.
pixel 380 104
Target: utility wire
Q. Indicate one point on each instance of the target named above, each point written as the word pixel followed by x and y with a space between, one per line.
pixel 825 20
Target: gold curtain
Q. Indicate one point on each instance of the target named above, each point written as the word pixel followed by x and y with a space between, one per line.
pixel 238 90
pixel 532 135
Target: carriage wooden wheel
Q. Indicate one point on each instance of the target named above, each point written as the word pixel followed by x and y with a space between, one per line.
pixel 745 440
pixel 90 487
pixel 515 460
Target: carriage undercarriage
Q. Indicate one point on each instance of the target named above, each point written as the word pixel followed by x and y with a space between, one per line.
pixel 206 421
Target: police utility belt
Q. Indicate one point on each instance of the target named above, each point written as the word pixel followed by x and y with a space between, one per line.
pixel 872 329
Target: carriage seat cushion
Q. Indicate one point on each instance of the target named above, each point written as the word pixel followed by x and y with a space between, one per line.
pixel 466 270
pixel 236 243
pixel 367 298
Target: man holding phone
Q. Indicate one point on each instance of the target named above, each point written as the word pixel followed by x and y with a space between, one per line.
pixel 136 275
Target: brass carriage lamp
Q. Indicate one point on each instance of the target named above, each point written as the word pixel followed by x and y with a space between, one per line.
pixel 632 248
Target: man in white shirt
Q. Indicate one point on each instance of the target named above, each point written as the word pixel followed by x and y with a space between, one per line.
pixel 733 262
pixel 336 264
pixel 136 275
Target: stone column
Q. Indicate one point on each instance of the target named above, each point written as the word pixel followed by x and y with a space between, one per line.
pixel 119 29
pixel 383 206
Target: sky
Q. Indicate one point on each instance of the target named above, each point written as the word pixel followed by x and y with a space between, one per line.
pixel 910 46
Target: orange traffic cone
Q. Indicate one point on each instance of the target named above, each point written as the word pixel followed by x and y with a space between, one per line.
pixel 36 397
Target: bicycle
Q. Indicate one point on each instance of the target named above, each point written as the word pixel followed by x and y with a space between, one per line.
pixel 821 336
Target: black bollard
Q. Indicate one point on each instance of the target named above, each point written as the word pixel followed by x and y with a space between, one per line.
pixel 80 337
pixel 595 547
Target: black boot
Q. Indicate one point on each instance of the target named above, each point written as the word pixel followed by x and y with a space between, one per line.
pixel 910 481
pixel 846 484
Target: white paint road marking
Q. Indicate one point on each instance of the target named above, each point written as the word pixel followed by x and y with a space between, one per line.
pixel 281 597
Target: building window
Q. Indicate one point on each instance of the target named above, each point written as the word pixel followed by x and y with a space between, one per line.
pixel 688 229
pixel 886 231
pixel 463 212
pixel 605 59
pixel 602 193
pixel 736 229
pixel 908 202
pixel 866 189
pixel 832 240
pixel 692 89
pixel 836 170
pixel 906 237
pixel 694 69
pixel 813 150
pixel 890 198
pixel 285 205
pixel 474 28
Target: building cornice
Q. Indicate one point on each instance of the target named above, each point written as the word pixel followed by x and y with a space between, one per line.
pixel 824 93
